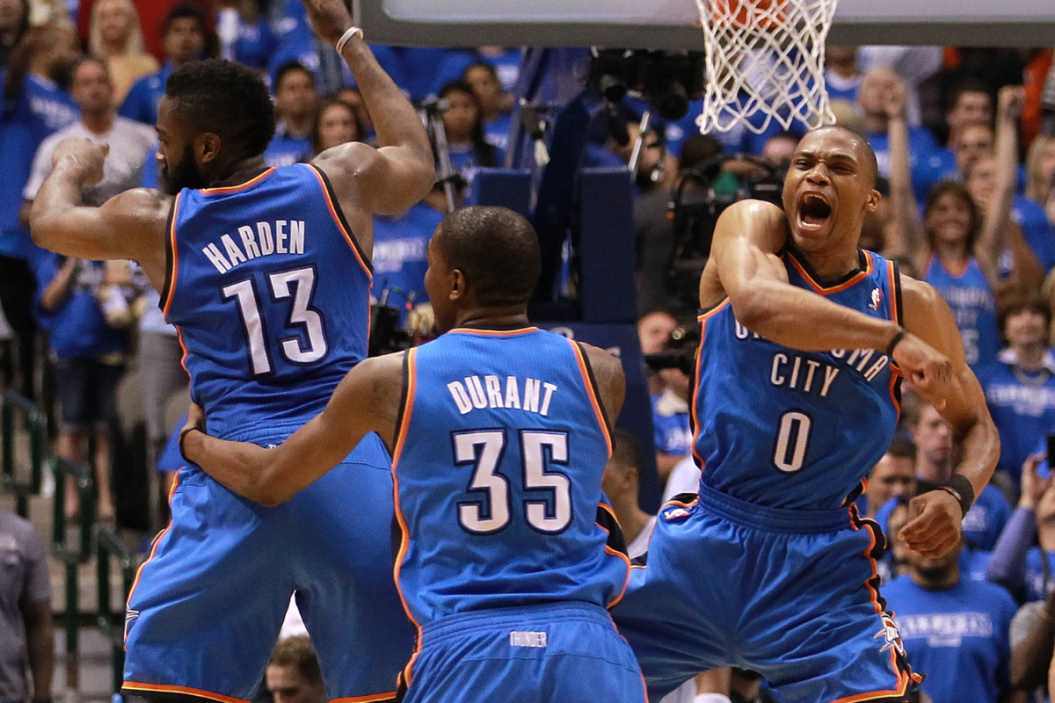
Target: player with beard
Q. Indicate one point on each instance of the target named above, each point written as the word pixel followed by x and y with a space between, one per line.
pixel 805 341
pixel 265 272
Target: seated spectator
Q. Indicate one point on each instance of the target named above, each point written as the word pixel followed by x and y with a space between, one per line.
pixel 495 105
pixel 954 629
pixel 622 478
pixel 293 674
pixel 463 124
pixel 953 245
pixel 295 106
pixel 25 612
pixel 335 123
pixel 246 35
pixel 893 477
pixel 14 21
pixel 653 330
pixel 1018 565
pixel 184 34
pixel 116 36
pixel 1020 385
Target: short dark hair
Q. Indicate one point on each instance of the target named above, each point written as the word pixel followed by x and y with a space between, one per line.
pixel 626 452
pixel 957 190
pixel 1021 303
pixel 967 85
pixel 225 98
pixel 182 11
pixel 902 449
pixel 496 249
pixel 296 651
pixel 291 67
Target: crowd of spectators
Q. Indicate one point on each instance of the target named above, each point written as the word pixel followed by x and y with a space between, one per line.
pixel 968 174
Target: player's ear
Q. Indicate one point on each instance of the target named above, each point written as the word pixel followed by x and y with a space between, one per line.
pixel 207 147
pixel 872 202
pixel 457 284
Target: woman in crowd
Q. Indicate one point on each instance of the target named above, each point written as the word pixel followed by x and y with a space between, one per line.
pixel 116 36
pixel 463 124
pixel 1040 174
pixel 335 123
pixel 957 245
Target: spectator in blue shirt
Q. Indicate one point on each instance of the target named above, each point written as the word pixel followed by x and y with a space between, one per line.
pixel 842 75
pixel 1040 175
pixel 955 630
pixel 89 351
pixel 295 104
pixel 185 36
pixel 463 124
pixel 35 107
pixel 893 477
pixel 1020 385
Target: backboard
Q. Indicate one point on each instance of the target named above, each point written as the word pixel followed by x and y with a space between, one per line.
pixel 673 24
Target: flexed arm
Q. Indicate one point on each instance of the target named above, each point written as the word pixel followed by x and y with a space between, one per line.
pixel 391 179
pixel 913 242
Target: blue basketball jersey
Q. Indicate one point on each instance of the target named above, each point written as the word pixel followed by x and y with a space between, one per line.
pixel 791 429
pixel 971 301
pixel 498 462
pixel 271 296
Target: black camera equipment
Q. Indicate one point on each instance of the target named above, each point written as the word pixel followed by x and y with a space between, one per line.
pixel 666 80
pixel 698 199
pixel 432 110
pixel 679 352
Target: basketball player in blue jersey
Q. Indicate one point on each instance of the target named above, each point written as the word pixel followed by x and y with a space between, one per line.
pixel 805 341
pixel 265 272
pixel 499 431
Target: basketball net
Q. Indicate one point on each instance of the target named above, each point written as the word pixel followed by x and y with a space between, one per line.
pixel 765 63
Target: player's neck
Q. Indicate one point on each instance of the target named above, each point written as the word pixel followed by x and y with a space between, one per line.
pixel 240 172
pixel 508 317
pixel 830 266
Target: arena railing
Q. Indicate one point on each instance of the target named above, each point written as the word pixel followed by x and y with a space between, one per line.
pixel 108 546
pixel 11 470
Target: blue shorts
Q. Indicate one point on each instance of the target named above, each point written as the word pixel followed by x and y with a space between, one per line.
pixel 206 608
pixel 566 653
pixel 789 594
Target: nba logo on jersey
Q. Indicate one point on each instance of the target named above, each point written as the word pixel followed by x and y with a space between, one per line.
pixel 877 297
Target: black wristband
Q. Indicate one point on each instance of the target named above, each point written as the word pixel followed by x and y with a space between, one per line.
pixel 895 341
pixel 183 435
pixel 961 489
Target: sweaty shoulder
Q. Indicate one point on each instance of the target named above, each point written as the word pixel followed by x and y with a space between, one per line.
pixel 611 382
pixel 928 317
pixel 345 159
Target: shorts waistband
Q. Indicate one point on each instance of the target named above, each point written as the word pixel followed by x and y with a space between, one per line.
pixel 513 618
pixel 264 432
pixel 774 519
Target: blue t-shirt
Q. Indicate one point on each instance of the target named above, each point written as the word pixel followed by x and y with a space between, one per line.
pixel 971 301
pixel 399 256
pixel 496 131
pixel 255 44
pixel 1039 584
pixel 143 99
pixel 958 637
pixel 77 327
pixel 37 112
pixel 670 421
pixel 285 150
pixel 1022 405
pixel 1037 230
pixel 981 526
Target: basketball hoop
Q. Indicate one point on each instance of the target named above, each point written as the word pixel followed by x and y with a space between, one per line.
pixel 765 58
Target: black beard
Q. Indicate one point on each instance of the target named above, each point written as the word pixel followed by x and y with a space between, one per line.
pixel 184 175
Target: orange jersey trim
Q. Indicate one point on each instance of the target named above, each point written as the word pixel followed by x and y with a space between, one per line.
pixel 594 400
pixel 340 224
pixel 493 333
pixel 174 273
pixel 154 547
pixel 818 288
pixel 390 696
pixel 404 542
pixel 183 347
pixel 694 395
pixel 160 688
pixel 892 278
pixel 615 553
pixel 713 311
pixel 234 189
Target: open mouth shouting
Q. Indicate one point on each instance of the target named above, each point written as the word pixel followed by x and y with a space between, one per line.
pixel 813 211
